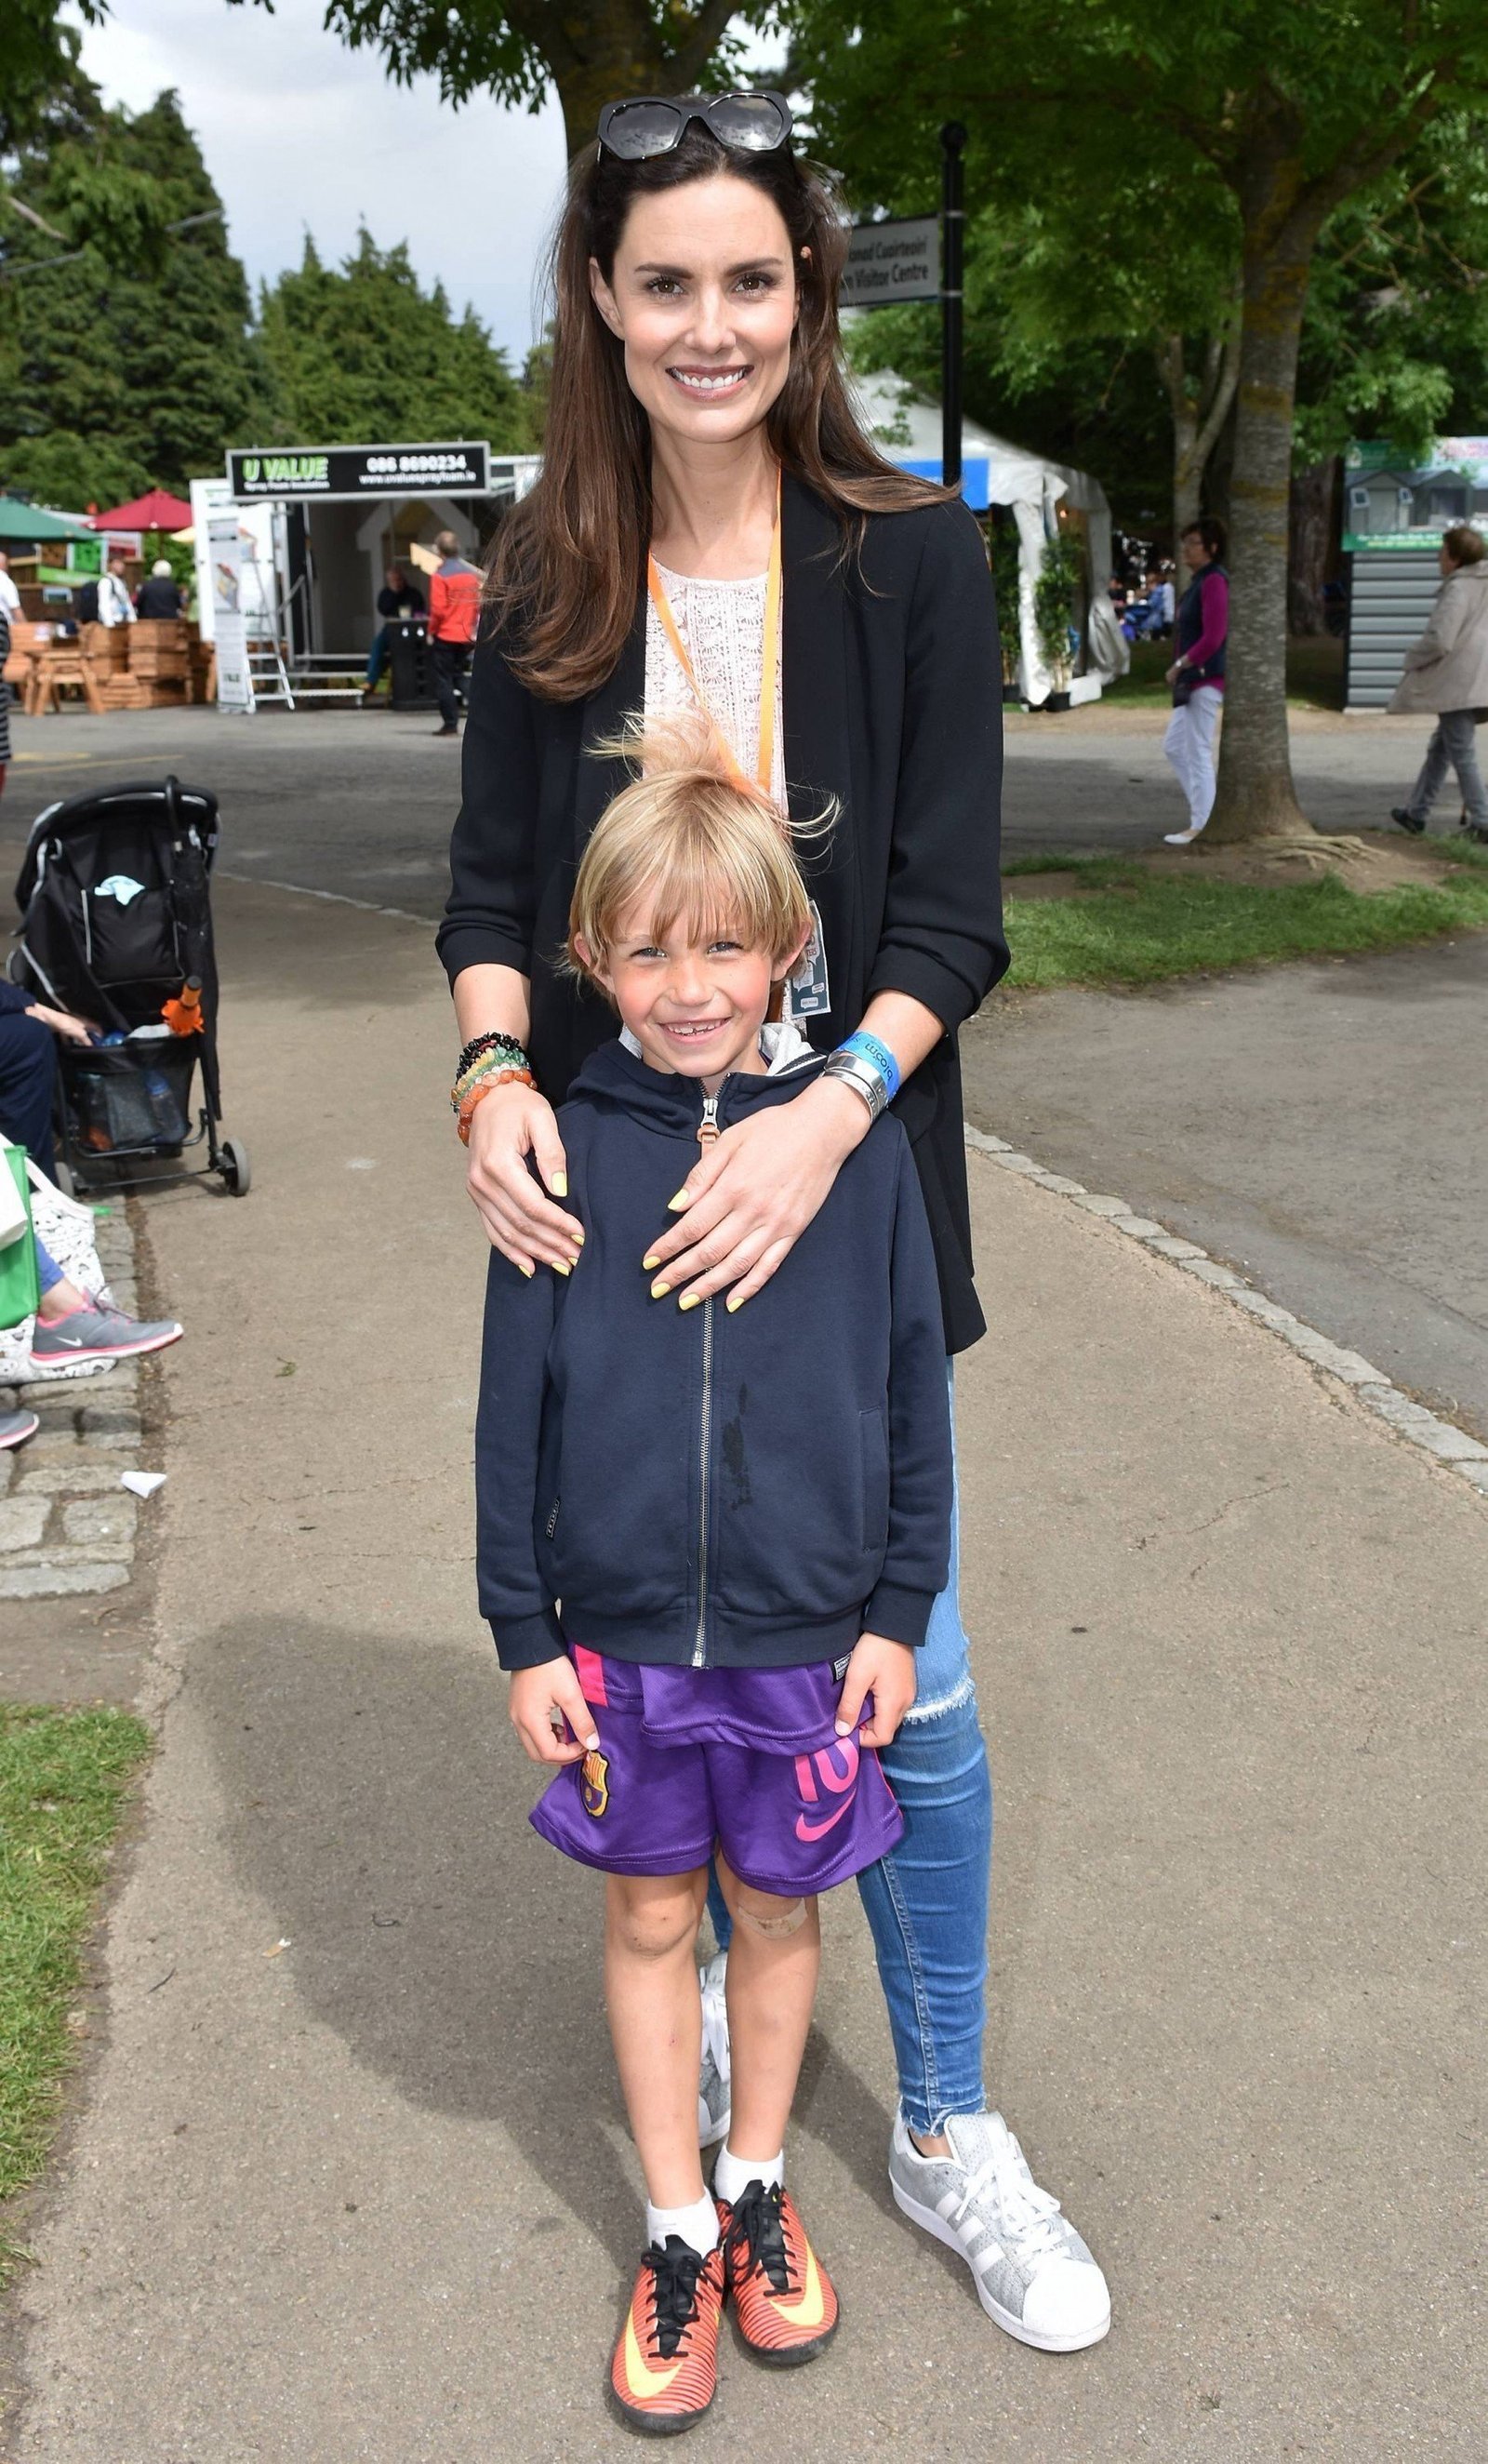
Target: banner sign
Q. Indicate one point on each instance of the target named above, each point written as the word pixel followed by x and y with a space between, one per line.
pixel 229 631
pixel 1393 503
pixel 343 473
pixel 890 261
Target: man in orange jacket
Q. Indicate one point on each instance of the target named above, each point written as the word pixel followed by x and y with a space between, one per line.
pixel 454 614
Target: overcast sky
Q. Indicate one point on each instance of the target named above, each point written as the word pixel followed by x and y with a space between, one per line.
pixel 301 134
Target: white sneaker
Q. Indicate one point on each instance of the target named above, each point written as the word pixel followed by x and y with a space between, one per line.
pixel 1181 838
pixel 1033 2274
pixel 714 2094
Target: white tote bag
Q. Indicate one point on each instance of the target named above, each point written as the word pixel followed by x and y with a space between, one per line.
pixel 67 1232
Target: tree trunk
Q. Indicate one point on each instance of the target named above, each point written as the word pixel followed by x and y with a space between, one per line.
pixel 1311 537
pixel 1257 799
pixel 612 68
pixel 1196 422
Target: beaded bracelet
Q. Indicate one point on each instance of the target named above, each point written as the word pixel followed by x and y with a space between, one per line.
pixel 493 1041
pixel 497 1058
pixel 878 1056
pixel 484 1086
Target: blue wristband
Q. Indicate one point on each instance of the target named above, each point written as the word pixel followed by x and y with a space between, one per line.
pixel 878 1056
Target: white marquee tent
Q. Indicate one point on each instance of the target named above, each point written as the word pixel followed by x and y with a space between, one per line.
pixel 907 427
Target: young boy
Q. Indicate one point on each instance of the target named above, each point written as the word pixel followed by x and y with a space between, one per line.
pixel 745 1516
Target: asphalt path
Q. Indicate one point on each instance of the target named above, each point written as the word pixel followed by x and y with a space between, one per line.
pixel 1321 1126
pixel 351 2182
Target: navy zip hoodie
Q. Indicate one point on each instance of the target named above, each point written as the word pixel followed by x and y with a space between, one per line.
pixel 727 1490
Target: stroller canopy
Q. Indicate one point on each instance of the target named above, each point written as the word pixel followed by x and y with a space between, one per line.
pixel 115 902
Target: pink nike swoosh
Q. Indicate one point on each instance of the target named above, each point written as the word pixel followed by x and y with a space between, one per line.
pixel 805 1830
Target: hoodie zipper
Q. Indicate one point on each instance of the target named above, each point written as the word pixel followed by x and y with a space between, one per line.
pixel 707 1132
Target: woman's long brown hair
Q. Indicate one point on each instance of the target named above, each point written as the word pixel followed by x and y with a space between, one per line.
pixel 568 563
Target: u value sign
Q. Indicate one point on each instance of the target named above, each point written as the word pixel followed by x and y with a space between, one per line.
pixel 350 471
pixel 887 262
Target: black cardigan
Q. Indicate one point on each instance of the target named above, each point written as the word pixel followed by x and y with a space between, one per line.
pixel 893 704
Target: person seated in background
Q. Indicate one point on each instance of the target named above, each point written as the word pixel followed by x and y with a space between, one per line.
pixel 398 597
pixel 161 595
pixel 70 1327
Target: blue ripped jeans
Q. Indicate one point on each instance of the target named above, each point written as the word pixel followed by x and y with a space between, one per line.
pixel 926 1903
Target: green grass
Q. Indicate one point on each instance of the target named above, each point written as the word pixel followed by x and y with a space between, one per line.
pixel 1138 927
pixel 63 1775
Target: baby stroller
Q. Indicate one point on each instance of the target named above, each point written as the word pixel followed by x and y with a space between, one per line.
pixel 115 926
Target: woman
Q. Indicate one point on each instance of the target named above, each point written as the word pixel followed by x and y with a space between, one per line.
pixel 712 524
pixel 1447 672
pixel 1197 674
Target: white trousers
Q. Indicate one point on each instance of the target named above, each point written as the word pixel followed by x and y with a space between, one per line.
pixel 1190 746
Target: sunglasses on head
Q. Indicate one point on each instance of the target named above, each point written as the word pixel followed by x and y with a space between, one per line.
pixel 649 124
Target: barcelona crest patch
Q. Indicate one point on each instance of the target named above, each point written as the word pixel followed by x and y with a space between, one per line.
pixel 594 1784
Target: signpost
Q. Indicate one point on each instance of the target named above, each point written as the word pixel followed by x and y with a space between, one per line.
pixel 890 261
pixel 896 260
pixel 952 138
pixel 349 474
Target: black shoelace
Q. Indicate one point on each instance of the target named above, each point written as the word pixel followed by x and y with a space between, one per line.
pixel 757 2225
pixel 674 2273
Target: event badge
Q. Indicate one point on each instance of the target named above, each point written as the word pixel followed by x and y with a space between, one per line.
pixel 811 993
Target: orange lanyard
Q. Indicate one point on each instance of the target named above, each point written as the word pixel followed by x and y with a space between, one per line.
pixel 764 767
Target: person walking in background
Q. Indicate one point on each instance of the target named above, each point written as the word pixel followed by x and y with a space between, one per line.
pixel 159 597
pixel 454 614
pixel 1197 674
pixel 1447 672
pixel 398 597
pixel 115 605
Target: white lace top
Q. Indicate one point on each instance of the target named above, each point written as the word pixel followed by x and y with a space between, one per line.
pixel 723 625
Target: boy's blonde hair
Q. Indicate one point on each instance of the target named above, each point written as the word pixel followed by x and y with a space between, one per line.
pixel 702 844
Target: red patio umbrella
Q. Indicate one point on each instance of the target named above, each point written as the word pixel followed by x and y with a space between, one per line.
pixel 156 511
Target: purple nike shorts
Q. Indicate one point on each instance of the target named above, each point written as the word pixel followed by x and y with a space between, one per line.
pixel 748 1759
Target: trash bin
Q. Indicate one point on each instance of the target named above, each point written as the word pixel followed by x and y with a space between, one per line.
pixel 408 660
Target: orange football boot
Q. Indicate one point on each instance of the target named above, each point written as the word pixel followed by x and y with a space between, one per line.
pixel 782 2295
pixel 666 2364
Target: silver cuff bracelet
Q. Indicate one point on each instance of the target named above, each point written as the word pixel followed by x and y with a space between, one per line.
pixel 864 1079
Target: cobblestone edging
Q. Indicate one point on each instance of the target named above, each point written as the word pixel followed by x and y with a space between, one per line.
pixel 1449 1444
pixel 65 1522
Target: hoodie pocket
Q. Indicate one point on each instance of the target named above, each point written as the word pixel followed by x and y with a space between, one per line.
pixel 873 1449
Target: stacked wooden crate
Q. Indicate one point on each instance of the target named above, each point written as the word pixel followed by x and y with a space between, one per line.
pixel 159 659
pixel 204 666
pixel 106 650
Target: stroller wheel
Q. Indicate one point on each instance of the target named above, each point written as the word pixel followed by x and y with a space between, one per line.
pixel 234 1167
pixel 65 1177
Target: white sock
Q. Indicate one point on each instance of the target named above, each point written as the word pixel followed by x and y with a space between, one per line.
pixel 696 2225
pixel 733 2174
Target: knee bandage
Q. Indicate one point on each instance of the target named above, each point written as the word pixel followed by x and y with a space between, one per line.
pixel 780 1923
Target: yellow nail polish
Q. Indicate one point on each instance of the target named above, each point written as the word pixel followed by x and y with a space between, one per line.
pixel 736 1301
pixel 660 1291
pixel 558 1184
pixel 649 1263
pixel 527 1271
pixel 577 1235
pixel 560 1269
pixel 681 1199
pixel 690 1300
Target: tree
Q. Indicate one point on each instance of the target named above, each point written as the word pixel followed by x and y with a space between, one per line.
pixel 1097 268
pixel 359 353
pixel 590 54
pixel 125 356
pixel 1290 113
pixel 40 61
